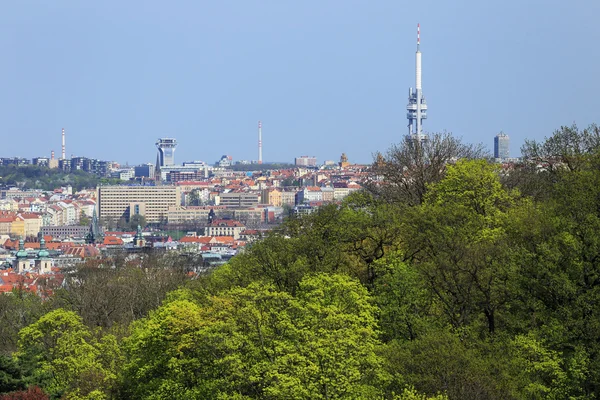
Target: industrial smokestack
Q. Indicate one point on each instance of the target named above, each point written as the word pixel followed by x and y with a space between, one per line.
pixel 259 142
pixel 52 155
pixel 63 145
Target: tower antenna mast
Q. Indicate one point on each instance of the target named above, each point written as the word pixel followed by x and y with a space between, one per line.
pixel 417 106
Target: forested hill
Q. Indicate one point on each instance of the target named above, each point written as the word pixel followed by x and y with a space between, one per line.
pixel 44 178
pixel 444 280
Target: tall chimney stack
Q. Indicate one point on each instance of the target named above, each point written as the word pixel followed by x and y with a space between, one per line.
pixel 259 142
pixel 63 145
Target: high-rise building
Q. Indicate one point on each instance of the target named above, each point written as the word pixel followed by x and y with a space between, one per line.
pixel 305 161
pixel 145 171
pixel 153 202
pixel 166 151
pixel 501 146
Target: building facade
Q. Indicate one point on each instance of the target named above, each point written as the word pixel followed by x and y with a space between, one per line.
pixel 65 231
pixel 239 200
pixel 305 161
pixel 501 146
pixel 225 227
pixel 153 202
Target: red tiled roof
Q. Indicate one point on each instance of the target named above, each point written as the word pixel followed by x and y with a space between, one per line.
pixel 113 240
pixel 224 239
pixel 226 222
pixel 83 251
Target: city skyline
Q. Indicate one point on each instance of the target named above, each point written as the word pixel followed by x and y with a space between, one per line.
pixel 324 79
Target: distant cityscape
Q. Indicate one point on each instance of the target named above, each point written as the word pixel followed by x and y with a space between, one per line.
pixel 212 209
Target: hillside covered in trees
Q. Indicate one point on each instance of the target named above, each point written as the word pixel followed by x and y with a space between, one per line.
pixel 44 178
pixel 447 278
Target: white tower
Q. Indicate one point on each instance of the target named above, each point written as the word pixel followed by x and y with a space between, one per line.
pixel 417 107
pixel 64 156
pixel 259 142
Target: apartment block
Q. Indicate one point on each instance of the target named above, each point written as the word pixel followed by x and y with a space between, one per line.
pixel 239 200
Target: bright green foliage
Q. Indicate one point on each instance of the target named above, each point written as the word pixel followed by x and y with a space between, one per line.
pixel 402 298
pixel 345 238
pixel 163 355
pixel 460 244
pixel 473 185
pixel 337 326
pixel 444 284
pixel 259 342
pixel 543 373
pixel 412 394
pixel 64 356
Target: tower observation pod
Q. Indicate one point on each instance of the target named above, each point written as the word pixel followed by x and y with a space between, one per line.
pixel 166 151
pixel 416 110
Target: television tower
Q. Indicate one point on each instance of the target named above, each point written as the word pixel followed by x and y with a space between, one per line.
pixel 259 142
pixel 417 107
pixel 64 156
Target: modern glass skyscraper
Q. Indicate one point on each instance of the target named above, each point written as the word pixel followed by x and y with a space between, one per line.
pixel 501 146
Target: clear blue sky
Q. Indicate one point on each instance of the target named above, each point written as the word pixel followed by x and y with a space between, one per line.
pixel 324 76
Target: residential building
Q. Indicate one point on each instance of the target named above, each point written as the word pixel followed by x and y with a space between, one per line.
pixel 254 216
pixel 308 194
pixel 6 222
pixel 65 231
pixel 225 227
pixel 288 198
pixel 32 223
pixel 41 161
pixel 328 194
pixel 271 196
pixel 305 161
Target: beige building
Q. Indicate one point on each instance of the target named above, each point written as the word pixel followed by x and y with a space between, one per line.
pixel 288 198
pixel 191 214
pixel 6 225
pixel 225 227
pixel 328 193
pixel 271 196
pixel 32 223
pixel 153 202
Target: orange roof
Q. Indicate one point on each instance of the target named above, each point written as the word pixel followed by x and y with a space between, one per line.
pixel 83 251
pixel 113 240
pixel 226 222
pixel 30 216
pixel 224 239
pixel 190 239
